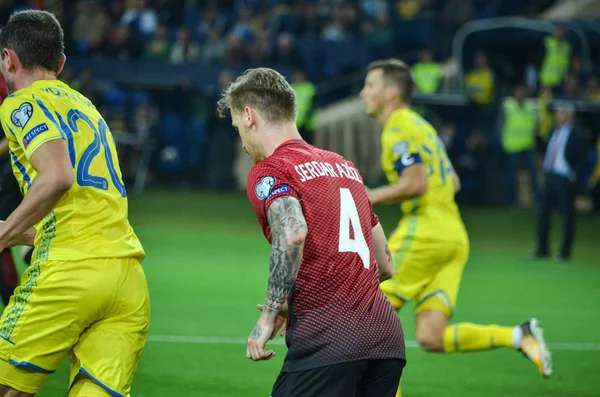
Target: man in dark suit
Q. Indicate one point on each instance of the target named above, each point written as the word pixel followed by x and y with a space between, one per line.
pixel 563 163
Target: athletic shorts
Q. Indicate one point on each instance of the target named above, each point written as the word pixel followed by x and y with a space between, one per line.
pixel 96 311
pixel 426 271
pixel 365 378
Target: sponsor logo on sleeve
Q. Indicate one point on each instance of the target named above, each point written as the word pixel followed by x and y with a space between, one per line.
pixel 35 131
pixel 279 190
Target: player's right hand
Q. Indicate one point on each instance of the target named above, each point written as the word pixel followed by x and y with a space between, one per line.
pixel 257 341
pixel 279 322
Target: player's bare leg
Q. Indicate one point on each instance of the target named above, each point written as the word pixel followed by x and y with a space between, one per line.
pixel 430 327
pixel 6 391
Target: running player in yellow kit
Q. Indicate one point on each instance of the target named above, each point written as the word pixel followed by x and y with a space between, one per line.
pixel 430 247
pixel 85 293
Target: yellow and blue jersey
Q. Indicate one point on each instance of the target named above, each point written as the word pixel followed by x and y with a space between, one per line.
pixel 408 139
pixel 90 220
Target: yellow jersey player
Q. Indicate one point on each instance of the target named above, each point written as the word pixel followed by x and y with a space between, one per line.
pixel 85 294
pixel 430 245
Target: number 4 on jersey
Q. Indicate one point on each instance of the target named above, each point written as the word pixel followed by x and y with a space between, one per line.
pixel 349 217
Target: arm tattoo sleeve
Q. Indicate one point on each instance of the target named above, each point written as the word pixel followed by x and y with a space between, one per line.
pixel 388 253
pixel 288 231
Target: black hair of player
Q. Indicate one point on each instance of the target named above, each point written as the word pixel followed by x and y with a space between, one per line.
pixel 398 73
pixel 36 37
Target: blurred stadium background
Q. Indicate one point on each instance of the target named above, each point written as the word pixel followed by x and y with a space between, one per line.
pixel 155 69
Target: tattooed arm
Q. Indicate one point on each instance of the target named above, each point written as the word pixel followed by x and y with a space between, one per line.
pixel 288 231
pixel 382 254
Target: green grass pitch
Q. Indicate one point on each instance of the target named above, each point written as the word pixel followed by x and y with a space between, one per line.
pixel 207 265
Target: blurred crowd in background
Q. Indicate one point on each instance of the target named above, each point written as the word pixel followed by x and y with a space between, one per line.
pixel 322 47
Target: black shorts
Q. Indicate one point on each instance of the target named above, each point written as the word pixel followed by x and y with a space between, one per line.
pixel 366 378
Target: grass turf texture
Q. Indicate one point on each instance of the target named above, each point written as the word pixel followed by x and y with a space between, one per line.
pixel 207 267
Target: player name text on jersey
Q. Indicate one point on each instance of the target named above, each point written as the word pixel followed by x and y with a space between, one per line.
pixel 316 169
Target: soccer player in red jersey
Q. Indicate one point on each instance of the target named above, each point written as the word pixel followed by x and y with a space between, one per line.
pixel 328 254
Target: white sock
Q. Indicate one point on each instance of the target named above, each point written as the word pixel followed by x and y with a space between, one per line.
pixel 517 337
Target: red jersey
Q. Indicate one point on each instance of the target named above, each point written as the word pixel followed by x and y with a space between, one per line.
pixel 337 310
pixel 3 89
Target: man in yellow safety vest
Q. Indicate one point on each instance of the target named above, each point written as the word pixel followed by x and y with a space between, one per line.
pixel 518 139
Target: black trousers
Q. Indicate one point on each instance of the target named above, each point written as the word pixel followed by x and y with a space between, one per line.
pixel 365 378
pixel 558 191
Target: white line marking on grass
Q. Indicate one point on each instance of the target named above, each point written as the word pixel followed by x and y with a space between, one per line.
pixel 217 340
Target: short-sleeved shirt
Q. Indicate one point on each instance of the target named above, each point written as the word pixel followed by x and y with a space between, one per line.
pixel 337 310
pixel 407 140
pixel 90 220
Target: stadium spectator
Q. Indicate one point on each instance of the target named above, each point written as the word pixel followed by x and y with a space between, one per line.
pixel 334 29
pixel 312 23
pixel 409 9
pixel 545 114
pixel 471 166
pixel 86 84
pixel 213 50
pixel 235 52
pixel 124 44
pixel 480 82
pixel 170 12
pixel 261 49
pixel 285 53
pixel 555 64
pixel 351 22
pixel 144 129
pixel 518 140
pixel 571 89
pixel 253 33
pixel 448 136
pixel 580 71
pixel 480 86
pixel 379 34
pixel 141 17
pixel 593 89
pixel 427 73
pixel 185 49
pixel 374 8
pixel 90 26
pixel 116 10
pixel 242 27
pixel 457 12
pixel 222 141
pixel 565 157
pixel 159 47
pixel 305 101
pixel 212 20
pixel 531 76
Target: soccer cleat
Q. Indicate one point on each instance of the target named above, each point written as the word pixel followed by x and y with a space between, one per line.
pixel 533 346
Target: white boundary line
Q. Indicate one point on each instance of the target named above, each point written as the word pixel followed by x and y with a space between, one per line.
pixel 217 340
